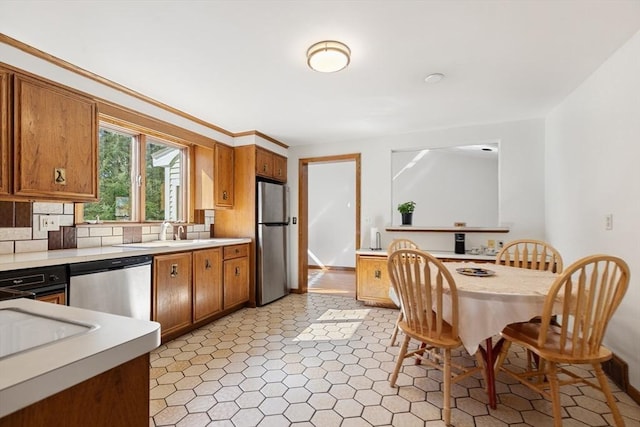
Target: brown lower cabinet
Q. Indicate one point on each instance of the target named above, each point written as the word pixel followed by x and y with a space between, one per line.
pixel 59 298
pixel 207 283
pixel 190 288
pixel 236 275
pixel 172 292
pixel 118 397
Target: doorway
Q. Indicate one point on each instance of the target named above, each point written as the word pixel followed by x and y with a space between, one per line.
pixel 303 210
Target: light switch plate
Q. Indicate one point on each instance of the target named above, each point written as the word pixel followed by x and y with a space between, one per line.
pixel 49 223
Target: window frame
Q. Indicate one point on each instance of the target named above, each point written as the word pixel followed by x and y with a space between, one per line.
pixel 141 135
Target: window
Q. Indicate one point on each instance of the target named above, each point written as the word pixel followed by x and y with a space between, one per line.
pixel 140 178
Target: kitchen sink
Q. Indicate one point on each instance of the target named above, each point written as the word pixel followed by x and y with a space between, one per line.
pixel 21 330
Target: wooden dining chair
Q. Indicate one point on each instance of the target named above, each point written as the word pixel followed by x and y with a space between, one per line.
pixel 531 254
pixel 421 282
pixel 584 297
pixel 394 246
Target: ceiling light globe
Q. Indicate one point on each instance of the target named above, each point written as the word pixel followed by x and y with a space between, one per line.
pixel 328 56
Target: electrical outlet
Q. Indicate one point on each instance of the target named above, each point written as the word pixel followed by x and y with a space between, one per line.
pixel 608 222
pixel 49 223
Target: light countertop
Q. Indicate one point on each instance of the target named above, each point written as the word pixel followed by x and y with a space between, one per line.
pixel 34 374
pixel 69 256
pixel 437 254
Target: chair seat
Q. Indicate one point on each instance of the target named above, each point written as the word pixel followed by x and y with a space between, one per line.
pixel 446 339
pixel 527 333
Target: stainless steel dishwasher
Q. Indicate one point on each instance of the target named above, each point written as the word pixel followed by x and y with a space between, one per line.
pixel 117 286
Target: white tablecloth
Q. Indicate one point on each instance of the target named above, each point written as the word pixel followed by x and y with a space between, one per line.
pixel 487 304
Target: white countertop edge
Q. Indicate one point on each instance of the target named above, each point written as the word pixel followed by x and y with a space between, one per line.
pixel 38 373
pixel 69 256
pixel 437 254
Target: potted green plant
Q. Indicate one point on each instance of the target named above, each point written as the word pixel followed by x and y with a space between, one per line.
pixel 406 210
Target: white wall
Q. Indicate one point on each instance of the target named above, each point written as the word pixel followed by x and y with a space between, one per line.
pixel 471 175
pixel 521 181
pixel 332 210
pixel 592 155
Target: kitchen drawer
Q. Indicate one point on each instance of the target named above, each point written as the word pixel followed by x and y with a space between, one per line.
pixel 236 251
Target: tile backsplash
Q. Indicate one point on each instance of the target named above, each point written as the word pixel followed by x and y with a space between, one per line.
pixel 21 230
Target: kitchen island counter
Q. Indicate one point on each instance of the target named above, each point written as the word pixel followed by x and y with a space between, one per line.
pixel 34 374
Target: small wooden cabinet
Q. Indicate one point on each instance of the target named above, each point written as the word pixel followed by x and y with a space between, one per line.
pixel 271 165
pixel 236 275
pixel 372 280
pixel 264 163
pixel 223 170
pixel 203 178
pixel 59 298
pixel 172 292
pixel 279 168
pixel 372 277
pixel 55 142
pixel 5 132
pixel 207 283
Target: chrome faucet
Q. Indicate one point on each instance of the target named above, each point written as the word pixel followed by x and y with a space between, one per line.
pixel 179 234
pixel 163 230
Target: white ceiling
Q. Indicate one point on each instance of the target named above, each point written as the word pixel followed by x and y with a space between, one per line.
pixel 241 65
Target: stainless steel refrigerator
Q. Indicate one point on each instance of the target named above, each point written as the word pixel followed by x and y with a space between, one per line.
pixel 273 219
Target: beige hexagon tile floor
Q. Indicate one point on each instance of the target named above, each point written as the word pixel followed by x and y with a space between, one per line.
pixel 321 360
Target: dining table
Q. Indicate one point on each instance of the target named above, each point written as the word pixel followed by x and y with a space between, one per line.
pixel 491 296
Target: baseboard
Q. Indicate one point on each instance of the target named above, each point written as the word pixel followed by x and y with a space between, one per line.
pixel 331 268
pixel 618 371
pixel 634 393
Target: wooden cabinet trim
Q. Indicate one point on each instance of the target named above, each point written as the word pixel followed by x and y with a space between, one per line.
pixel 5 131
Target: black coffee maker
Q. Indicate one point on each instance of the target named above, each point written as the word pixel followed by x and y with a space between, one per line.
pixel 459 240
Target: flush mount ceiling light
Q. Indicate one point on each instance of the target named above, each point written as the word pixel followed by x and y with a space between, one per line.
pixel 434 78
pixel 328 56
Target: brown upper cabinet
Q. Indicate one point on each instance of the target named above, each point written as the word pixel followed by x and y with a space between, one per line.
pixel 55 142
pixel 280 168
pixel 5 132
pixel 223 169
pixel 271 165
pixel 203 183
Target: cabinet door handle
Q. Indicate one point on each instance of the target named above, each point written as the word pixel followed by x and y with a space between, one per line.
pixel 237 271
pixel 207 264
pixel 225 196
pixel 264 167
pixel 237 250
pixel 377 274
pixel 280 172
pixel 174 270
